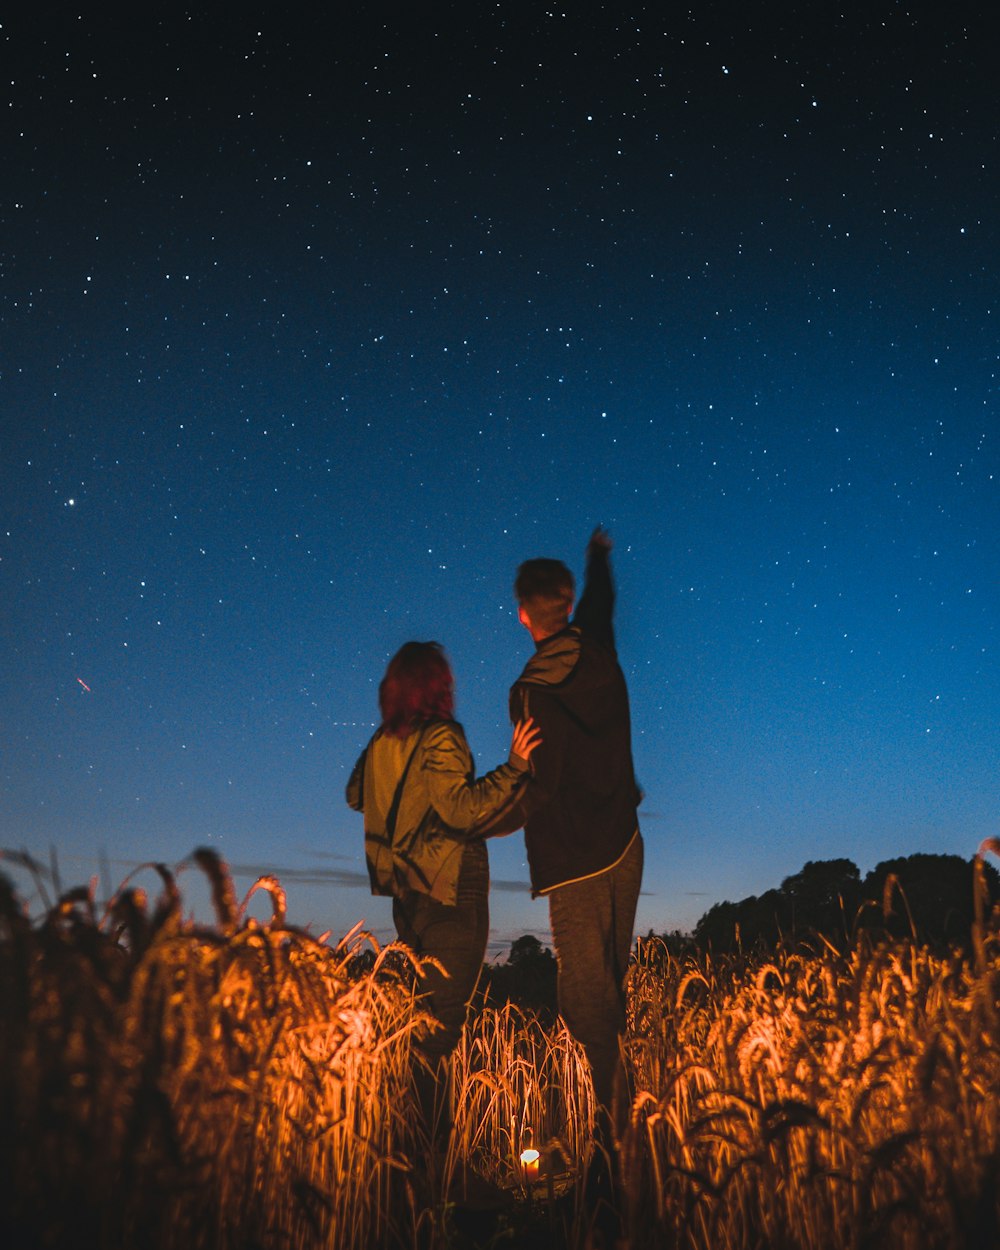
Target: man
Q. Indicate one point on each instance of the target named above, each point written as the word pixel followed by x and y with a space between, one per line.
pixel 581 829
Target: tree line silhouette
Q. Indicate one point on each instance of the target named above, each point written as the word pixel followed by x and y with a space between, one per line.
pixel 927 897
pixel 924 896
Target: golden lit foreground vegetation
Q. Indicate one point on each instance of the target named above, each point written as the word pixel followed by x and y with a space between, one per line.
pixel 820 1101
pixel 248 1085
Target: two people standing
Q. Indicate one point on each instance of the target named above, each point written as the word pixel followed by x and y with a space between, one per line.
pixel 569 782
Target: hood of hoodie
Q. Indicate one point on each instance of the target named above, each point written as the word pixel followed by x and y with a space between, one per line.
pixel 554 660
pixel 579 674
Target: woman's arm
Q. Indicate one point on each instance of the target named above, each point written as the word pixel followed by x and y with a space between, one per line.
pixel 459 799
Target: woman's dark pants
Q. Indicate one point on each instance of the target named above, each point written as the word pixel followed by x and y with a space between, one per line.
pixel 456 937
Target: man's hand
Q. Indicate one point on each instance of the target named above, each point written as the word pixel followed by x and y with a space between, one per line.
pixel 600 540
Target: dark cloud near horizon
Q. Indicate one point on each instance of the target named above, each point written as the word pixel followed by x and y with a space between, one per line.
pixel 345 877
pixel 303 876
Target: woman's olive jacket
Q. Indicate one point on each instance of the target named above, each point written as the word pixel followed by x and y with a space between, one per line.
pixel 441 809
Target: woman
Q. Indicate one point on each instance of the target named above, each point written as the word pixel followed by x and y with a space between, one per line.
pixel 425 820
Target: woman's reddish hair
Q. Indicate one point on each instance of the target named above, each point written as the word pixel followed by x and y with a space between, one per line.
pixel 417 687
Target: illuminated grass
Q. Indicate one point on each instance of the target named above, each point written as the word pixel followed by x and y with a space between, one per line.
pixel 247 1085
pixel 819 1101
pixel 186 1087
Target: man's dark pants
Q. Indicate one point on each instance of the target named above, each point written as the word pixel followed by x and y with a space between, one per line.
pixel 592 923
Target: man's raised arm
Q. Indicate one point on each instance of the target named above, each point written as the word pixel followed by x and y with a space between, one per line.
pixel 596 607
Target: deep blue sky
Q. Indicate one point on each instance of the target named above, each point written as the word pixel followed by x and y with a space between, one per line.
pixel 312 328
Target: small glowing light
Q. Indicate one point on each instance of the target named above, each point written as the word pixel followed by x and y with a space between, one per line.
pixel 529 1163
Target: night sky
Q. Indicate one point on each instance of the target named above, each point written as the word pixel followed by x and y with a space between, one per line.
pixel 312 327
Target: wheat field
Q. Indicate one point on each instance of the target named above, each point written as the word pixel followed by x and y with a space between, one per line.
pixel 248 1085
pixel 819 1101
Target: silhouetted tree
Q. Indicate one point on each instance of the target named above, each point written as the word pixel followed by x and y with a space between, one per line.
pixel 527 978
pixel 829 898
pixel 751 924
pixel 937 893
pixel 676 942
pixel 823 898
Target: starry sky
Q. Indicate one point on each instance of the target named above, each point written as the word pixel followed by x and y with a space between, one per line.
pixel 313 325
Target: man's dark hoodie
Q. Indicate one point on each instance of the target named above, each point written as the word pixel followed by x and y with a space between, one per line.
pixel 581 804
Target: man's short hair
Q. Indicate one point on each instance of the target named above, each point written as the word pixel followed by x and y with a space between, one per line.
pixel 545 589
